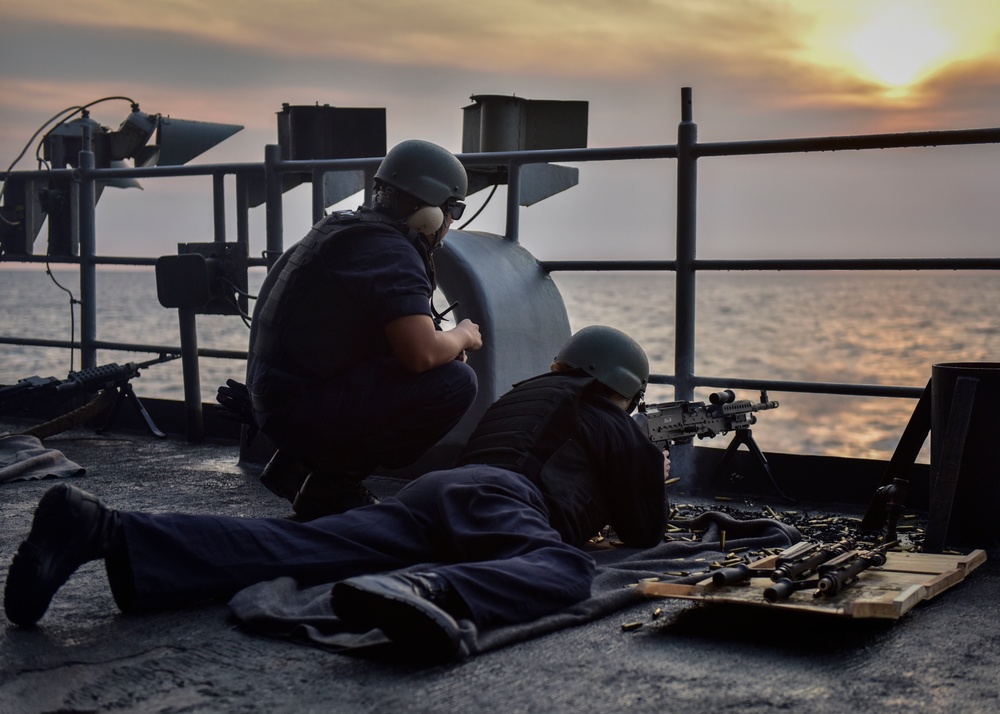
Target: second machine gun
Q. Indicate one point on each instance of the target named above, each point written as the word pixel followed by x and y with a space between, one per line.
pixel 113 379
pixel 680 422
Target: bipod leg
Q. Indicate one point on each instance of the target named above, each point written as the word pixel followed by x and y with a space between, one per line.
pixel 745 436
pixel 726 456
pixel 113 412
pixel 762 460
pixel 134 398
pixel 126 392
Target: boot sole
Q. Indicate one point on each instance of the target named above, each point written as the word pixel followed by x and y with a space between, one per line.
pixel 31 580
pixel 419 627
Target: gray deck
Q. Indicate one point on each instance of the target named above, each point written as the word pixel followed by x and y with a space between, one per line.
pixel 85 656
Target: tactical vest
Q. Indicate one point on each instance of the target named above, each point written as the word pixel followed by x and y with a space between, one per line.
pixel 534 430
pixel 291 300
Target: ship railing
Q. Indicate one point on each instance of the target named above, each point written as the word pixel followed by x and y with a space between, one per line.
pixel 687 151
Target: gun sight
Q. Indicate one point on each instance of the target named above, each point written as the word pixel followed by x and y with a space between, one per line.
pixel 726 396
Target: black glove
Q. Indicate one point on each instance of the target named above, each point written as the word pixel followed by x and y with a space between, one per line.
pixel 234 405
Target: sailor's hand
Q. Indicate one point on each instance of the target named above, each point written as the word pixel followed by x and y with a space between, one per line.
pixel 472 329
pixel 666 466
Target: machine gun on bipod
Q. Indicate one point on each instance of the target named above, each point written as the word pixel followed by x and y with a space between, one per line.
pixel 112 382
pixel 681 422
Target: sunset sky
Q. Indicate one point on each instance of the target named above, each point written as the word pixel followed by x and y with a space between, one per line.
pixel 758 68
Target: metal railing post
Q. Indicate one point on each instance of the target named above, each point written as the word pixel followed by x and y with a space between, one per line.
pixel 194 419
pixel 274 222
pixel 318 194
pixel 219 207
pixel 685 282
pixel 87 226
pixel 513 228
pixel 243 211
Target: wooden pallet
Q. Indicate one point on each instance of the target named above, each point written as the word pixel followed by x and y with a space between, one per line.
pixel 887 592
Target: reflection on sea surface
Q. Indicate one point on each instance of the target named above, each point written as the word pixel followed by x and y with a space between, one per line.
pixel 866 327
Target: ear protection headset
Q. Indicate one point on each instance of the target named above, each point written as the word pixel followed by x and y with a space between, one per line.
pixel 426 220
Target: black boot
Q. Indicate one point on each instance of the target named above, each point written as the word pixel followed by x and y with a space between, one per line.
pixel 417 611
pixel 284 475
pixel 70 527
pixel 324 495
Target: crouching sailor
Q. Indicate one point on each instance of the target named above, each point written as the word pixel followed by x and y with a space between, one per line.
pixel 344 337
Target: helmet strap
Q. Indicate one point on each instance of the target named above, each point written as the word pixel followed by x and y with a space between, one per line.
pixel 426 251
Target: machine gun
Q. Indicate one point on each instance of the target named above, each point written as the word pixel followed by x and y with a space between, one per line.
pixel 111 378
pixel 680 422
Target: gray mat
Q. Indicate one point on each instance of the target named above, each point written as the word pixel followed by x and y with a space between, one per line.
pixel 23 458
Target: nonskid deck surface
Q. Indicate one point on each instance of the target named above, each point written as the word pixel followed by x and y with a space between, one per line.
pixel 85 656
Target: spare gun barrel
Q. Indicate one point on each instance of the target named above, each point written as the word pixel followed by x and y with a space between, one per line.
pixel 731 576
pixel 797 567
pixel 843 570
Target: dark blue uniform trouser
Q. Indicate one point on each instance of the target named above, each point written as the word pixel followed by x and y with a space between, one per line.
pixel 485 529
pixel 373 414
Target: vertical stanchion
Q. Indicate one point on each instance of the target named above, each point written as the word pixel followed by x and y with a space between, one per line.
pixel 194 419
pixel 274 220
pixel 682 455
pixel 87 226
pixel 219 207
pixel 513 229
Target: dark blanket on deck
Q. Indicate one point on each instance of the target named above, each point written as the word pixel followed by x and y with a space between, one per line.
pixel 279 608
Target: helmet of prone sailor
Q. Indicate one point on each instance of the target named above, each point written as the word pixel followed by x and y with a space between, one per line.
pixel 426 171
pixel 610 356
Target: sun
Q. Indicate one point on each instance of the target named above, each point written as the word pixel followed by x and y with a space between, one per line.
pixel 897 44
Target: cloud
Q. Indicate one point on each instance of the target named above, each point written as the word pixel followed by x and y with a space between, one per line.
pixel 748 61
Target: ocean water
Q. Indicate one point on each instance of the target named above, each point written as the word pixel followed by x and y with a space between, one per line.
pixel 868 327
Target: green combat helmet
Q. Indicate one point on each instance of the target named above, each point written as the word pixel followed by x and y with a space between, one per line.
pixel 610 356
pixel 426 171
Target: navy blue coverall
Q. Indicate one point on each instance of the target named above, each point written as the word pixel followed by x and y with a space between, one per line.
pixel 486 530
pixel 323 380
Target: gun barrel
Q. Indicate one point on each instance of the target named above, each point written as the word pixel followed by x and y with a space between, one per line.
pixel 731 576
pixel 849 566
pixel 88 380
pixel 784 587
pixel 808 562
